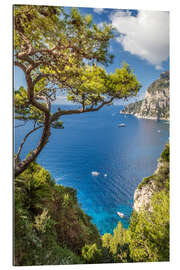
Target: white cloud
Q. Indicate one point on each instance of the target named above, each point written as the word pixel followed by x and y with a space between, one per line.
pixel 98 10
pixel 146 35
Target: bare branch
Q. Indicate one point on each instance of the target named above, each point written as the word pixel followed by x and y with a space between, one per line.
pixel 59 113
pixel 24 56
pixel 20 167
pixel 46 99
pixel 25 138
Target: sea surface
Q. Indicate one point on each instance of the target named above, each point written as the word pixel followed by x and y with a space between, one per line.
pixel 93 142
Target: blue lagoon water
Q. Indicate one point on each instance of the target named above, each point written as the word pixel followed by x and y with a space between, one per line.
pixel 94 142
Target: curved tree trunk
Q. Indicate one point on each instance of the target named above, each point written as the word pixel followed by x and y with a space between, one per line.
pixel 20 167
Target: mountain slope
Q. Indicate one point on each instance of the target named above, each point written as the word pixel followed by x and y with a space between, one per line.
pixel 155 104
pixel 149 225
pixel 154 183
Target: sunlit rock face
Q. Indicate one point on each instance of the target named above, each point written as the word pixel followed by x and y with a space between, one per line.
pixel 142 197
pixel 149 185
pixel 155 104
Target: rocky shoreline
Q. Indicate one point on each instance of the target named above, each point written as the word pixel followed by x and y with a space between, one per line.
pixel 155 104
pixel 146 117
pixel 149 185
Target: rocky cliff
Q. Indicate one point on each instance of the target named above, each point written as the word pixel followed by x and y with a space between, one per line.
pixel 155 183
pixel 155 104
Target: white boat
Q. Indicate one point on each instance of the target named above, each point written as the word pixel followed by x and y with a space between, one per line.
pixel 105 175
pixel 95 173
pixel 121 125
pixel 120 214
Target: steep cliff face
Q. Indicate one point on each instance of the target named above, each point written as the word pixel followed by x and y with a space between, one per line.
pixel 155 183
pixel 142 197
pixel 155 104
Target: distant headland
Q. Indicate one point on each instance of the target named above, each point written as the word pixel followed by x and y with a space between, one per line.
pixel 155 104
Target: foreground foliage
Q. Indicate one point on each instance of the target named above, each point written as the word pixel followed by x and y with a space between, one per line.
pixel 51 228
pixel 147 238
pixel 149 231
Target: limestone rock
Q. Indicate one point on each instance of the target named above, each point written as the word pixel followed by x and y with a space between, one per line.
pixel 155 104
pixel 142 197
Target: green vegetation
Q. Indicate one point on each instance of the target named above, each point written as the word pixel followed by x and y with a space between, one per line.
pixel 118 244
pixel 147 238
pixel 51 228
pixel 59 53
pixel 161 177
pixel 133 107
pixel 149 231
pixel 165 156
pixel 91 253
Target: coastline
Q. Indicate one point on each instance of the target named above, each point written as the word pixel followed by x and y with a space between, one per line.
pixel 146 117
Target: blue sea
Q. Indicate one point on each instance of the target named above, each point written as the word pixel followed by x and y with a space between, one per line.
pixel 90 142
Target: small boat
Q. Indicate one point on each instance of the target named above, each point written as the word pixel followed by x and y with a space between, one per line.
pixel 95 173
pixel 159 131
pixel 120 214
pixel 121 125
pixel 105 175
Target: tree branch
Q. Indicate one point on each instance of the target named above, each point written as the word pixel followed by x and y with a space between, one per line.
pixel 59 113
pixel 46 99
pixel 18 64
pixel 25 138
pixel 19 168
pixel 39 77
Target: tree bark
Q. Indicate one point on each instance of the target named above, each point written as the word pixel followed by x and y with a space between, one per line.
pixel 21 145
pixel 56 115
pixel 22 165
pixel 19 168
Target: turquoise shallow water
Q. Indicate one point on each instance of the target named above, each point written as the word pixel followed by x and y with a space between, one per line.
pixel 94 142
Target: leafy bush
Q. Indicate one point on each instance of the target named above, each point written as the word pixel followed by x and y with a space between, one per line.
pixel 48 221
pixel 51 228
pixel 117 243
pixel 149 231
pixel 165 154
pixel 145 181
pixel 91 253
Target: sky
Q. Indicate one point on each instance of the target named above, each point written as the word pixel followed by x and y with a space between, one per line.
pixel 141 40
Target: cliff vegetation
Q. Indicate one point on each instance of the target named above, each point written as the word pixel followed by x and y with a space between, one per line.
pixel 51 228
pixel 149 226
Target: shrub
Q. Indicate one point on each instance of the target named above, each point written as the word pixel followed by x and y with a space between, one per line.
pixel 48 220
pixel 91 253
pixel 149 231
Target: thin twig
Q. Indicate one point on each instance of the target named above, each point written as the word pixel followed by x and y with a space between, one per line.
pixel 25 138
